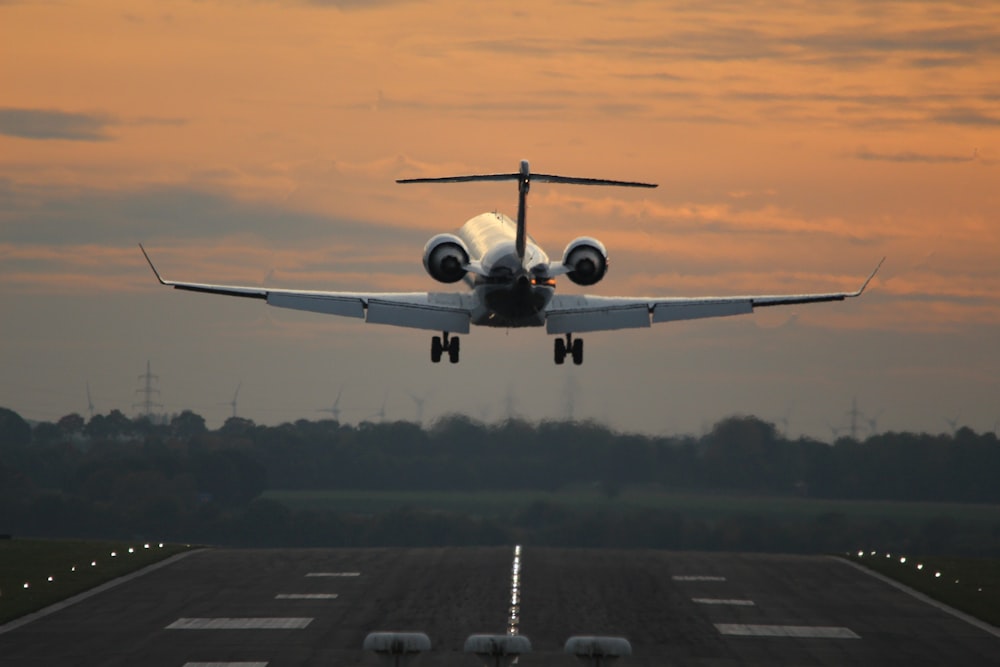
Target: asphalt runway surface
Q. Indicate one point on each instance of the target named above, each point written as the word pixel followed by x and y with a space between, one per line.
pixel 275 607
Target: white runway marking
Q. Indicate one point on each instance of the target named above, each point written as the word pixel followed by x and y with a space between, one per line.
pixel 798 631
pixel 697 577
pixel 225 664
pixel 239 624
pixel 334 574
pixel 305 596
pixel 735 603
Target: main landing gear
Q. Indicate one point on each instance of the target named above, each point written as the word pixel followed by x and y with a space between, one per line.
pixel 569 346
pixel 444 343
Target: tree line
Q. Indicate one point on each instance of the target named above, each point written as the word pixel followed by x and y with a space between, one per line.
pixel 112 476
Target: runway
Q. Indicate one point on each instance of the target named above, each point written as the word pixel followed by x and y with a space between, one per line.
pixel 314 607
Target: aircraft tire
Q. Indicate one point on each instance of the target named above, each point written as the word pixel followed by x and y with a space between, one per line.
pixel 436 349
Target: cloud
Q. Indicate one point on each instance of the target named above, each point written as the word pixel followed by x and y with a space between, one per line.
pixel 51 124
pixel 967 117
pixel 909 156
pixel 56 215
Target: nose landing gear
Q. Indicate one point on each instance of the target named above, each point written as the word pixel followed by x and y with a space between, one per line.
pixel 444 343
pixel 571 347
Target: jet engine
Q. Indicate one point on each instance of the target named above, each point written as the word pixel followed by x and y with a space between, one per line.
pixel 445 258
pixel 586 260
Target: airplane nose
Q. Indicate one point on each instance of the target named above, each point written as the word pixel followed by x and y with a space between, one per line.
pixel 522 282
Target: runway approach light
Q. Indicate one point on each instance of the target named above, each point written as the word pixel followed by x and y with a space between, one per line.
pixel 598 651
pixel 397 649
pixel 497 650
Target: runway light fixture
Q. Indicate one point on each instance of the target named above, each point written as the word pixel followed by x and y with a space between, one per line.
pixel 93 563
pixel 902 559
pixel 51 578
pixel 937 575
pixel 27 585
pixel 920 566
pixel 114 554
pixel 131 550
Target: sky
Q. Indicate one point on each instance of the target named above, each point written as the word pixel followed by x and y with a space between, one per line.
pixel 257 142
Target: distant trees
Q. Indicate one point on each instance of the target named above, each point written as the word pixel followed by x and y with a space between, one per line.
pixel 113 476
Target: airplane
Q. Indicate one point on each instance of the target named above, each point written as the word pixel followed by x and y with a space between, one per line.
pixel 512 283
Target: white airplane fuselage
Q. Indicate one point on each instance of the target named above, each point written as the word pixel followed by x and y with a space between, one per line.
pixel 509 292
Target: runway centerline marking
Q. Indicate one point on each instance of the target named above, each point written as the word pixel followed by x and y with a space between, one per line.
pixel 697 577
pixel 305 596
pixel 334 574
pixel 797 631
pixel 239 624
pixel 735 603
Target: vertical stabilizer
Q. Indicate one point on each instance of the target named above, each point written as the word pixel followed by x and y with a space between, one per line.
pixel 524 178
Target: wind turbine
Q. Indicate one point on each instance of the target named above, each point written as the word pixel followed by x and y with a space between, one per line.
pixel 235 394
pixel 335 408
pixel 90 403
pixel 381 411
pixel 419 402
pixel 953 423
pixel 873 423
pixel 571 390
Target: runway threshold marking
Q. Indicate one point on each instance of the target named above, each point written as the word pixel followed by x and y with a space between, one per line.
pixel 334 574
pixel 697 577
pixel 305 596
pixel 797 631
pixel 239 624
pixel 734 603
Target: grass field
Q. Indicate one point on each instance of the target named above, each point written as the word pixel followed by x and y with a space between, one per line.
pixel 971 585
pixel 37 573
pixel 703 506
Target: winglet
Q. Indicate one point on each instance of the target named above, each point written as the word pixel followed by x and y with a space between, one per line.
pixel 155 272
pixel 861 291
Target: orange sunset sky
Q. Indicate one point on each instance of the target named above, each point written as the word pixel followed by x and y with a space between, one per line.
pixel 795 144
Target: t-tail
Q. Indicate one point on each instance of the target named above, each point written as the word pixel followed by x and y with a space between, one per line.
pixel 524 178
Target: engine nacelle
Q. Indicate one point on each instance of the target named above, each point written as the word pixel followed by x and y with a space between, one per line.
pixel 587 260
pixel 445 257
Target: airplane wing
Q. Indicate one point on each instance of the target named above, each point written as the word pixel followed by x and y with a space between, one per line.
pixel 580 314
pixel 436 311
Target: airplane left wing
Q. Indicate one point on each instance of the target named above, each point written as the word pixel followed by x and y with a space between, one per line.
pixel 580 314
pixel 435 311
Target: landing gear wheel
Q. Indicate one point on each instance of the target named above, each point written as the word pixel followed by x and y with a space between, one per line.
pixel 560 352
pixel 578 351
pixel 436 349
pixel 453 350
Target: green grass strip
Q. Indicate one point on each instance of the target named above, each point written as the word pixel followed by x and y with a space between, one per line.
pixel 37 573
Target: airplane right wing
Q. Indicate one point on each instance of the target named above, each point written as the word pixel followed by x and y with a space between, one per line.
pixel 580 314
pixel 435 311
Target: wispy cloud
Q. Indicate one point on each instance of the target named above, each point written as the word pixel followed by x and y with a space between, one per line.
pixel 54 124
pixel 910 156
